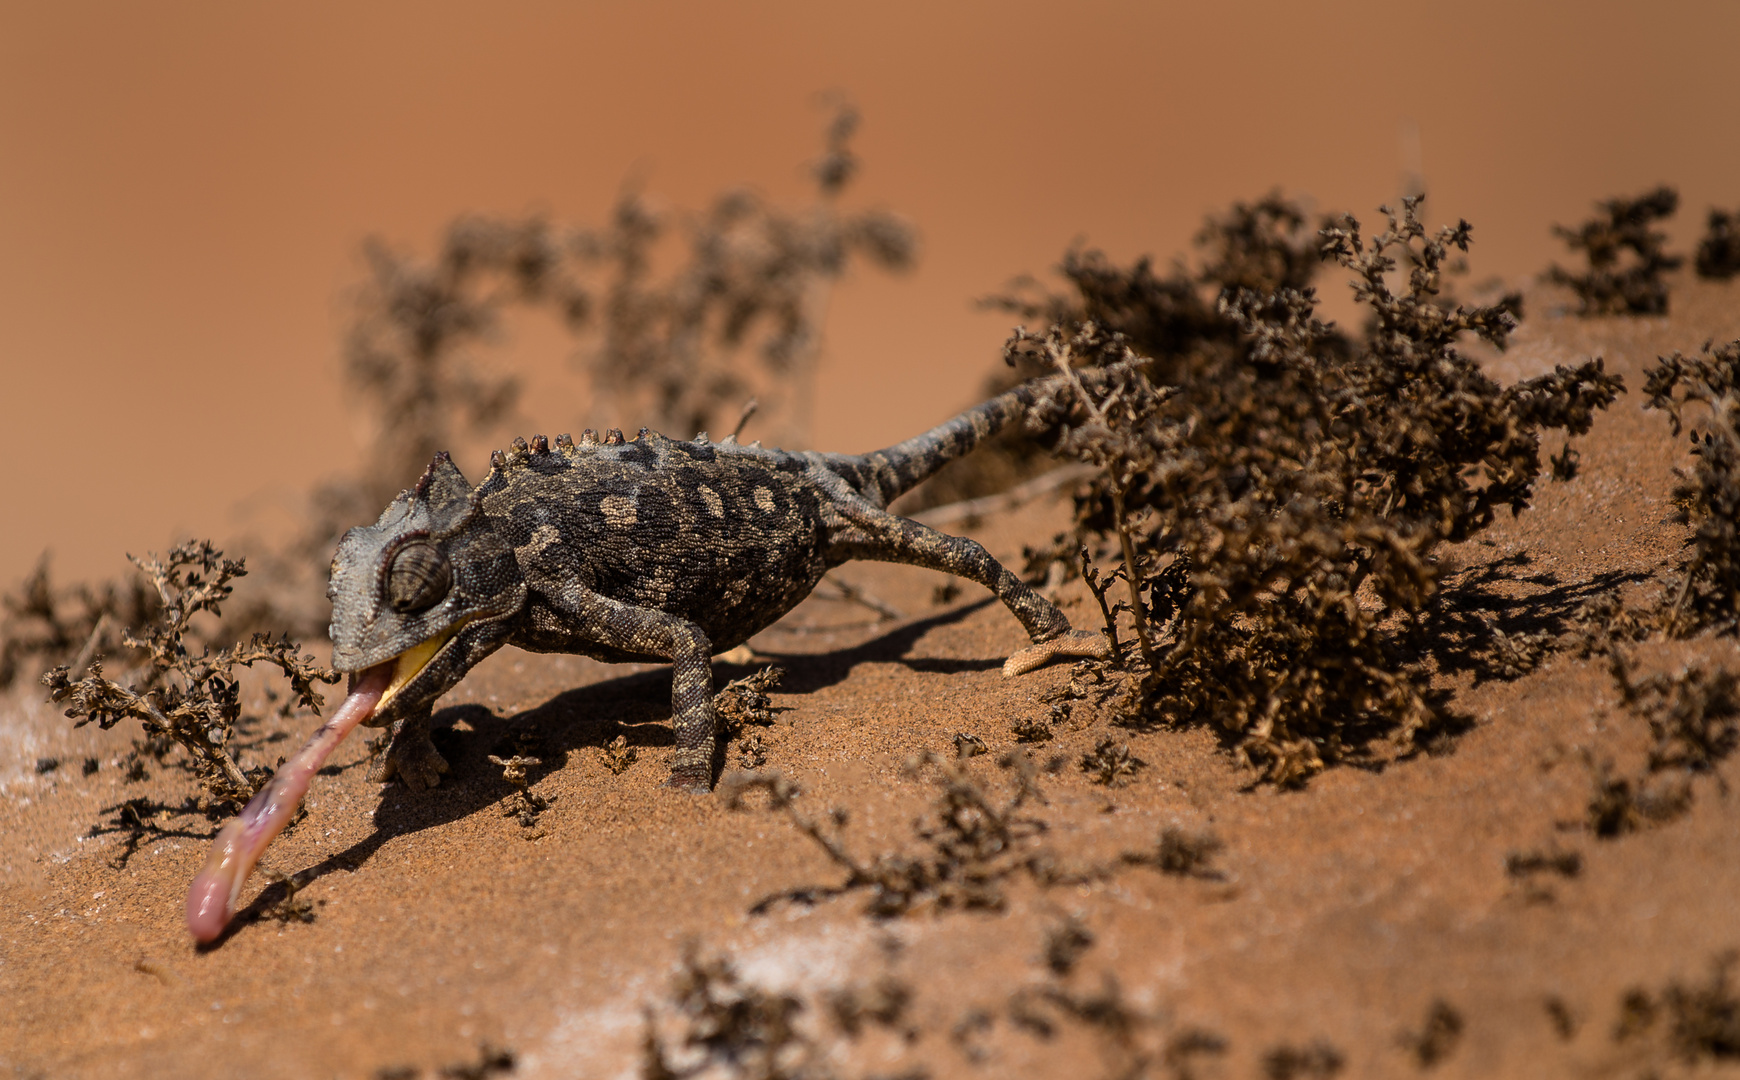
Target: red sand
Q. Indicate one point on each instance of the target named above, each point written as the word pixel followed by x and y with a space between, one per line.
pixel 1343 913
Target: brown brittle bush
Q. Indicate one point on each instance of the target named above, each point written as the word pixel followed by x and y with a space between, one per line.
pixel 1702 1022
pixel 1694 724
pixel 1708 496
pixel 191 700
pixel 1719 250
pixel 715 1022
pixel 973 842
pixel 43 624
pixel 1274 513
pixel 1616 283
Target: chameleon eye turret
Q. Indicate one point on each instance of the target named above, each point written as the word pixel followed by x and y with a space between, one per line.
pixel 420 577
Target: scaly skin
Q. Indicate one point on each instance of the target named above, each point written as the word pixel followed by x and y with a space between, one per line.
pixel 647 549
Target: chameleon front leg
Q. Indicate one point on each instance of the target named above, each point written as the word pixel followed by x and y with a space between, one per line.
pixel 411 757
pixel 875 534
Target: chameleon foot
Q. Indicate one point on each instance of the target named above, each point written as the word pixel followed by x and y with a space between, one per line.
pixel 690 783
pixel 412 759
pixel 1075 643
pixel 692 770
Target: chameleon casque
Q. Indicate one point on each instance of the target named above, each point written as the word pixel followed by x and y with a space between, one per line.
pixel 645 549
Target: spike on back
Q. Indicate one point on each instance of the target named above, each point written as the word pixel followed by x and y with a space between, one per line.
pixel 588 438
pixel 613 437
pixel 564 441
pixel 540 445
pixel 428 477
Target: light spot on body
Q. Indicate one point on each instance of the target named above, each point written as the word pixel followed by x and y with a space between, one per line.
pixel 764 499
pixel 715 505
pixel 619 510
pixel 542 537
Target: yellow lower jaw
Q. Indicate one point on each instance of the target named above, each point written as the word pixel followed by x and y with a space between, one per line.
pixel 414 660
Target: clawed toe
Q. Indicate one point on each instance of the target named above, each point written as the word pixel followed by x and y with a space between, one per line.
pixel 423 773
pixel 1076 643
pixel 690 783
pixel 411 761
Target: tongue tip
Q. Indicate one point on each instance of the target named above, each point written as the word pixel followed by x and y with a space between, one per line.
pixel 208 909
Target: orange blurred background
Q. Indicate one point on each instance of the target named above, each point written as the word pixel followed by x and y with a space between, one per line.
pixel 184 186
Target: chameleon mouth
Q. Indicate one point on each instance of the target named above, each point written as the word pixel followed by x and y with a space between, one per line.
pixel 409 664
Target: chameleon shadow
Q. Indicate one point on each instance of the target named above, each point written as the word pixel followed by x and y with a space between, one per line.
pixel 635 706
pixel 809 672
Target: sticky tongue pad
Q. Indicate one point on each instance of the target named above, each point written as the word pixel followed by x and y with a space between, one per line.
pixel 241 842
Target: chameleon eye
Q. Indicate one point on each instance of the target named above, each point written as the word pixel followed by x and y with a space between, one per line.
pixel 420 576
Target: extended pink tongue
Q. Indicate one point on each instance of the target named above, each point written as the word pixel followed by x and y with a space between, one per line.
pixel 240 843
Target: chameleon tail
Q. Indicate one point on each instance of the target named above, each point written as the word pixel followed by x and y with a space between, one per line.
pixel 884 475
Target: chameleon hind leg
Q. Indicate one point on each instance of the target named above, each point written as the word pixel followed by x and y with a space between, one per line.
pixel 879 536
pixel 626 628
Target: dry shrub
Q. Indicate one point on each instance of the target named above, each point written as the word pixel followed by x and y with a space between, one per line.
pixel 618 756
pixel 1625 255
pixel 1111 764
pixel 1693 714
pixel 717 1024
pixel 1176 318
pixel 192 700
pixel 1316 1061
pixel 1707 497
pixel 1719 251
pixel 1437 1038
pixel 1065 944
pixel 1173 318
pixel 972 842
pixel 44 626
pixel 1181 854
pixel 1132 1041
pixel 1274 513
pixel 1702 1020
pixel 725 1024
pixel 748 700
pixel 1694 725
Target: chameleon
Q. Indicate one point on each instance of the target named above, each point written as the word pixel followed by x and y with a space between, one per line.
pixel 624 550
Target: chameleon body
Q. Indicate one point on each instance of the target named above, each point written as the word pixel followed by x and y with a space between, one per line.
pixel 623 550
pixel 644 549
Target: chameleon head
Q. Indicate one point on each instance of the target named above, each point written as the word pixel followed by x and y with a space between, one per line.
pixel 417 599
pixel 428 589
